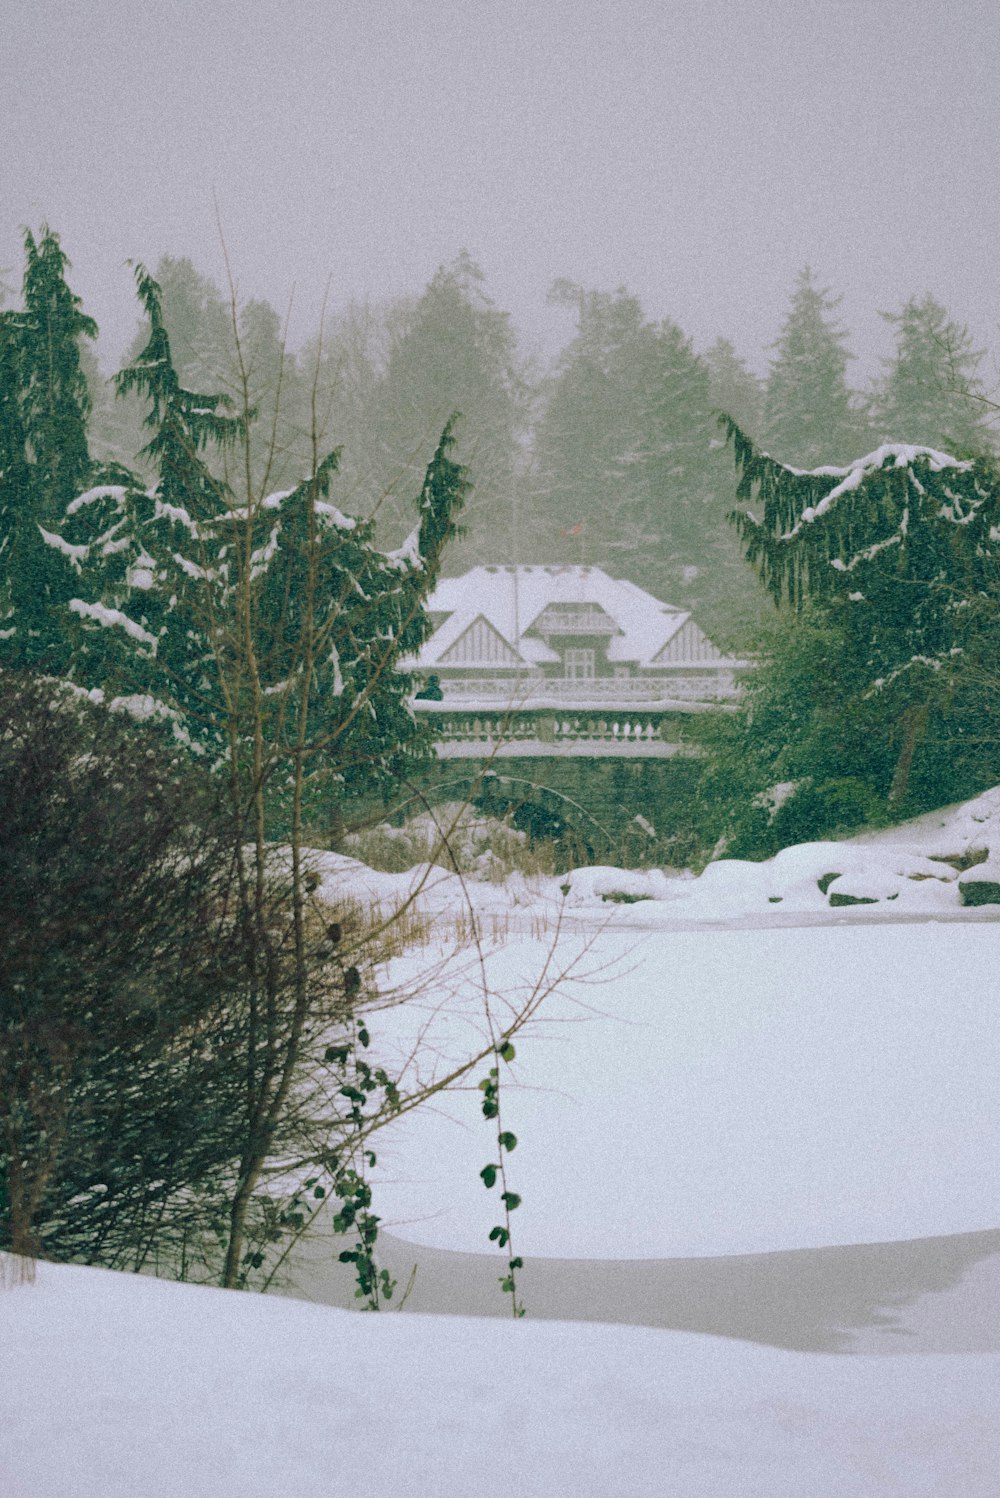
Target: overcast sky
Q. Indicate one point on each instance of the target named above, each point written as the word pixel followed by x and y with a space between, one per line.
pixel 699 152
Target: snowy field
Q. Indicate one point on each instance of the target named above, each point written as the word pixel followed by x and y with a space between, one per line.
pixel 757 1128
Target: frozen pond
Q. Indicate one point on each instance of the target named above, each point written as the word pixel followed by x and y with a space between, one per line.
pixel 721 1093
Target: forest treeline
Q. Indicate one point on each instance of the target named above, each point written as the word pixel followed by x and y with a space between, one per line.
pixel 613 455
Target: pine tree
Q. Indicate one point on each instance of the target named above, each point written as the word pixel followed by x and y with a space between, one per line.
pixel 808 418
pixel 932 393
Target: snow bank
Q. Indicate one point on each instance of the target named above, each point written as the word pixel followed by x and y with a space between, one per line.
pixel 918 869
pixel 119 1387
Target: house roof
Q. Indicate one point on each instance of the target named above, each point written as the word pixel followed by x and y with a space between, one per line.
pixel 510 600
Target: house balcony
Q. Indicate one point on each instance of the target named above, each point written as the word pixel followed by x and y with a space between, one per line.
pixel 541 733
pixel 678 692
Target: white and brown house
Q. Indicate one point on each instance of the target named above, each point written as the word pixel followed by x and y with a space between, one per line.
pixel 562 659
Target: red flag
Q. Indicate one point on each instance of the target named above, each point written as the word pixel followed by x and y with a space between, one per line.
pixel 575 530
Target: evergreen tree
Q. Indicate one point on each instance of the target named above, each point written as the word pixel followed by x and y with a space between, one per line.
pixel 339 382
pixel 252 616
pixel 932 393
pixel 55 398
pixel 265 629
pixel 898 555
pixel 44 455
pixel 451 350
pixel 627 468
pixel 808 418
pixel 734 388
pixel 197 321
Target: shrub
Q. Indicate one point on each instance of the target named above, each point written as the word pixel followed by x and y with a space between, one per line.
pixel 115 1069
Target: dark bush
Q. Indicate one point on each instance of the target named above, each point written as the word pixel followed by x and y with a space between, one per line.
pixel 117 1051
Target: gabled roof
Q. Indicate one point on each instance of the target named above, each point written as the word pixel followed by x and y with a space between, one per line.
pixel 480 643
pixel 510 599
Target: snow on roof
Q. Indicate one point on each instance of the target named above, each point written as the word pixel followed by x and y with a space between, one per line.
pixel 511 599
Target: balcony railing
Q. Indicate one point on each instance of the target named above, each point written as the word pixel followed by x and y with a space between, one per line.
pixel 477 734
pixel 603 691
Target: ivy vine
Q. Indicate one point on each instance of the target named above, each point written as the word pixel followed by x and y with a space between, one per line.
pixel 496 1171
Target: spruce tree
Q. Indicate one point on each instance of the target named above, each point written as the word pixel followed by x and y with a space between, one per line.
pixel 451 350
pixel 808 418
pixel 932 393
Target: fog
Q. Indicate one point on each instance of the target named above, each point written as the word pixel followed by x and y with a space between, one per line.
pixel 698 153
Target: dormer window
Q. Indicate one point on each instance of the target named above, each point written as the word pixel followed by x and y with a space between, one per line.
pixel 574 619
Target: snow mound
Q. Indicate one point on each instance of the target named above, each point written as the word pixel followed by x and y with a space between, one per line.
pixel 936 863
pixel 113 1386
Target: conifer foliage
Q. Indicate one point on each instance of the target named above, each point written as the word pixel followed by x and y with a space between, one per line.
pixel 626 471
pixel 44 456
pixel 229 609
pixel 900 550
pixel 808 417
pixel 263 631
pixel 932 393
pixel 55 397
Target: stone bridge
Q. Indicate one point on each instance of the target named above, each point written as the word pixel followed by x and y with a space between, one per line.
pixel 599 773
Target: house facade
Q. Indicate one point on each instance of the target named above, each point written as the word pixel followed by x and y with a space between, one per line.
pixel 564 656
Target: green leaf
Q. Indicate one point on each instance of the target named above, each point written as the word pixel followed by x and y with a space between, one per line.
pixel 510 1200
pixel 507 1052
pixel 508 1141
pixel 489 1176
pixel 363 1035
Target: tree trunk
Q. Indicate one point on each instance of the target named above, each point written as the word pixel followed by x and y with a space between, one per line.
pixel 913 725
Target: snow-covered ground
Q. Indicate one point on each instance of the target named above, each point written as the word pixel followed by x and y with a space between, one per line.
pixel 117 1387
pixel 902 872
pixel 784 1131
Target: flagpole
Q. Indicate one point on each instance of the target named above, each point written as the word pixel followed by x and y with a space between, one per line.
pixel 514 549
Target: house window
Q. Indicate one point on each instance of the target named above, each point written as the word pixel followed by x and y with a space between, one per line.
pixel 579 663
